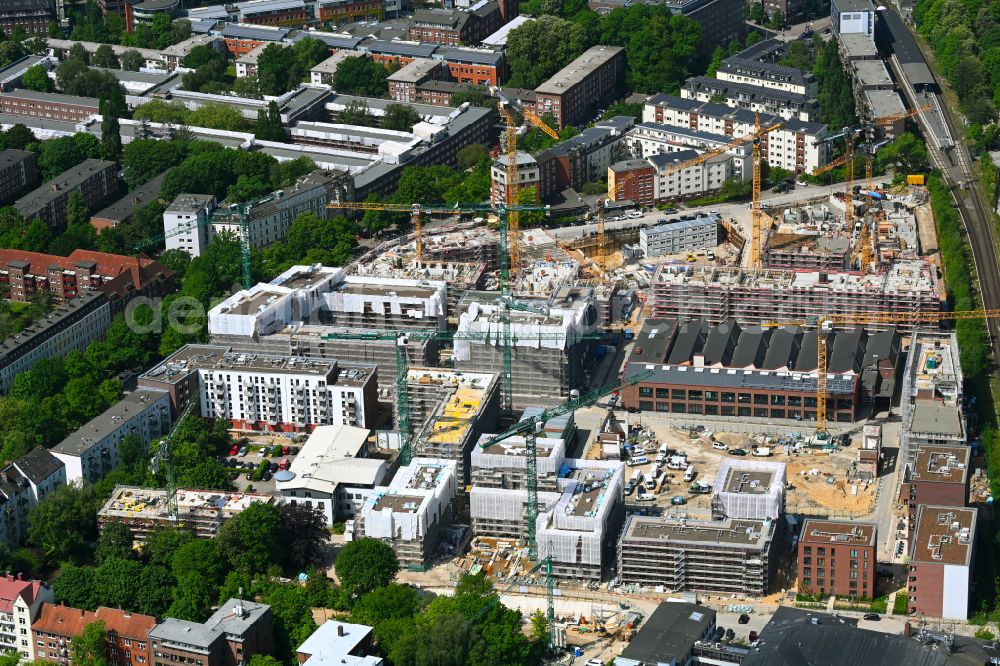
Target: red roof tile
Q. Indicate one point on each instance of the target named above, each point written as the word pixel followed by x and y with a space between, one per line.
pixel 126 624
pixel 108 265
pixel 62 620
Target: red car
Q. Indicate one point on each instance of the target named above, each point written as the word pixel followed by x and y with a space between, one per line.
pixel 284 450
pixel 233 451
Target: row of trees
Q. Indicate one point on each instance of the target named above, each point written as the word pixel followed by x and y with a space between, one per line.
pixel 660 46
pixel 212 115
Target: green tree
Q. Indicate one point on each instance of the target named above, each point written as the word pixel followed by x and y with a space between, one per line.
pixel 77 586
pixel 471 155
pixel 117 580
pixel 400 117
pixel 199 571
pixel 10 51
pixel 132 60
pixel 391 602
pixel 906 154
pixel 269 126
pixel 116 541
pixel 89 648
pixel 258 660
pixel 77 211
pixel 160 111
pixel 360 76
pixel 358 113
pixel 293 621
pixel 19 136
pixel 111 138
pixel 63 523
pixel 444 640
pixel 252 541
pixel 220 117
pixel 36 78
pixel 304 534
pixel 163 543
pixel 143 159
pixel 105 56
pixel 278 70
pixel 538 49
pixel 310 52
pixel 365 564
pixel 717 57
pixel 539 627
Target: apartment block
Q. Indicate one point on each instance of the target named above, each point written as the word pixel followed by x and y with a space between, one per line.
pixel 457 26
pixel 410 513
pixel 237 630
pixel 20 602
pixel 767 75
pixel 32 16
pixel 727 557
pixel 186 223
pixel 674 236
pixel 334 473
pixel 650 139
pixel 718 294
pixel 54 628
pixel 941 560
pixel 339 11
pixel 807 252
pixel 203 512
pixel 824 544
pixel 95 179
pixel 121 278
pixel 242 38
pixel 939 476
pixel 293 13
pixel 23 484
pixel 257 392
pixel 796 147
pixel 853 17
pixel 575 93
pixel 528 175
pixel 755 98
pixel 121 211
pixel 404 81
pixel 23 102
pixel 18 172
pixel 633 180
pixel 932 396
pixel 93 450
pixel 72 325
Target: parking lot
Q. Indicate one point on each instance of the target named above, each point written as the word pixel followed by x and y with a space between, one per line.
pixel 247 454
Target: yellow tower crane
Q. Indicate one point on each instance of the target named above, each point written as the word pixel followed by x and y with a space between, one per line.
pixel 758 136
pixel 825 323
pixel 510 108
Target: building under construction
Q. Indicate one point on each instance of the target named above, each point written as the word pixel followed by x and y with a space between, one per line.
pixel 757 297
pixel 145 510
pixel 551 350
pixel 730 556
pixel 449 411
pixel 410 513
pixel 749 489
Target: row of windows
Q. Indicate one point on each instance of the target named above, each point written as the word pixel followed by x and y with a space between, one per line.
pixel 727 410
pixel 726 396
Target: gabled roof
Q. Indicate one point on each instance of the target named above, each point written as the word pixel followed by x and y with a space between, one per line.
pixel 126 624
pixel 689 340
pixel 38 464
pixel 12 587
pixel 61 620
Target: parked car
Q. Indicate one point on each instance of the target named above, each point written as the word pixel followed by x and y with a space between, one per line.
pixel 744 619
pixel 266 476
pixel 753 637
pixel 719 633
pixel 720 446
pixel 233 451
pixel 284 464
pixel 242 452
pixel 294 450
pixel 249 476
pixel 273 467
pixel 285 449
pixel 670 211
pixel 645 497
pixel 872 617
pixel 263 451
pixel 730 634
pixel 737 452
pixel 677 500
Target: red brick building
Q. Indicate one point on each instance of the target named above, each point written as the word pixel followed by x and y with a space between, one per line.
pixel 48 105
pixel 632 180
pixel 128 636
pixel 54 628
pixel 939 477
pixel 242 39
pixel 274 12
pixel 349 10
pixel 31 15
pixel 941 561
pixel 26 274
pixel 236 631
pixel 837 557
pixel 575 93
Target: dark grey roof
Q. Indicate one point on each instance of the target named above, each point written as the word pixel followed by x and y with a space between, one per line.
pixel 884 345
pixel 716 86
pixel 751 348
pixel 661 160
pixel 410 49
pixel 38 464
pixel 67 181
pixel 807 358
pixel 124 208
pixel 768 48
pixel 333 41
pixel 791 639
pixel 689 341
pixel 653 341
pixel 13 156
pixel 241 31
pixel 19 6
pixel 721 342
pixel 847 351
pixel 766 70
pixel 784 348
pixel 732 379
pixel 668 635
pixel 894 36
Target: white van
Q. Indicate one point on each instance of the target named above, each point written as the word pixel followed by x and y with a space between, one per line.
pixel 649 481
pixel 646 497
pixel 677 462
pixel 689 473
pixel 664 449
pixel 638 450
pixel 637 460
pixel 634 214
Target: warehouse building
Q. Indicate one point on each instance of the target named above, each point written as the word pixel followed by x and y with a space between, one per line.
pixel 146 510
pixel 729 556
pixel 716 294
pixel 410 513
pixel 674 236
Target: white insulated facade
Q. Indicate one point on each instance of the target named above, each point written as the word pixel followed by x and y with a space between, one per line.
pixel 679 236
pixel 694 180
pixel 749 489
pixel 186 223
pixel 649 138
pixel 794 147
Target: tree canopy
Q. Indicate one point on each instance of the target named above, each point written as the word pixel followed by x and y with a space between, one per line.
pixel 361 76
pixel 365 564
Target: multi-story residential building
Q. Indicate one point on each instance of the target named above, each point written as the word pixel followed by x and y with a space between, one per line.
pixel 404 81
pixel 456 26
pixel 265 393
pixel 54 628
pixel 29 274
pixel 411 511
pixel 95 179
pixel 294 13
pixel 25 102
pixel 718 294
pixel 528 175
pixel 575 93
pixel 229 637
pixel 191 222
pixel 32 16
pixel 942 555
pixel 322 73
pixel 633 180
pixel 797 146
pixel 127 636
pixel 122 210
pixel 767 75
pixel 749 490
pixel 92 451
pixel 56 625
pixel 838 557
pixel 146 11
pixel 72 325
pixel 932 396
pixel 758 99
pixel 648 139
pixel 474 67
pixel 853 17
pixel 23 483
pixel 242 38
pixel 20 601
pixel 334 473
pixel 673 236
pixel 729 556
pixel 203 512
pixel 939 476
pixel 18 172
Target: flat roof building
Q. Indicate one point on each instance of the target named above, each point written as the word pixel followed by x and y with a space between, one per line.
pixel 337 643
pixel 236 629
pixel 574 94
pixel 851 544
pixel 941 561
pixel 932 395
pixel 95 179
pixel 668 635
pixel 939 476
pixel 749 489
